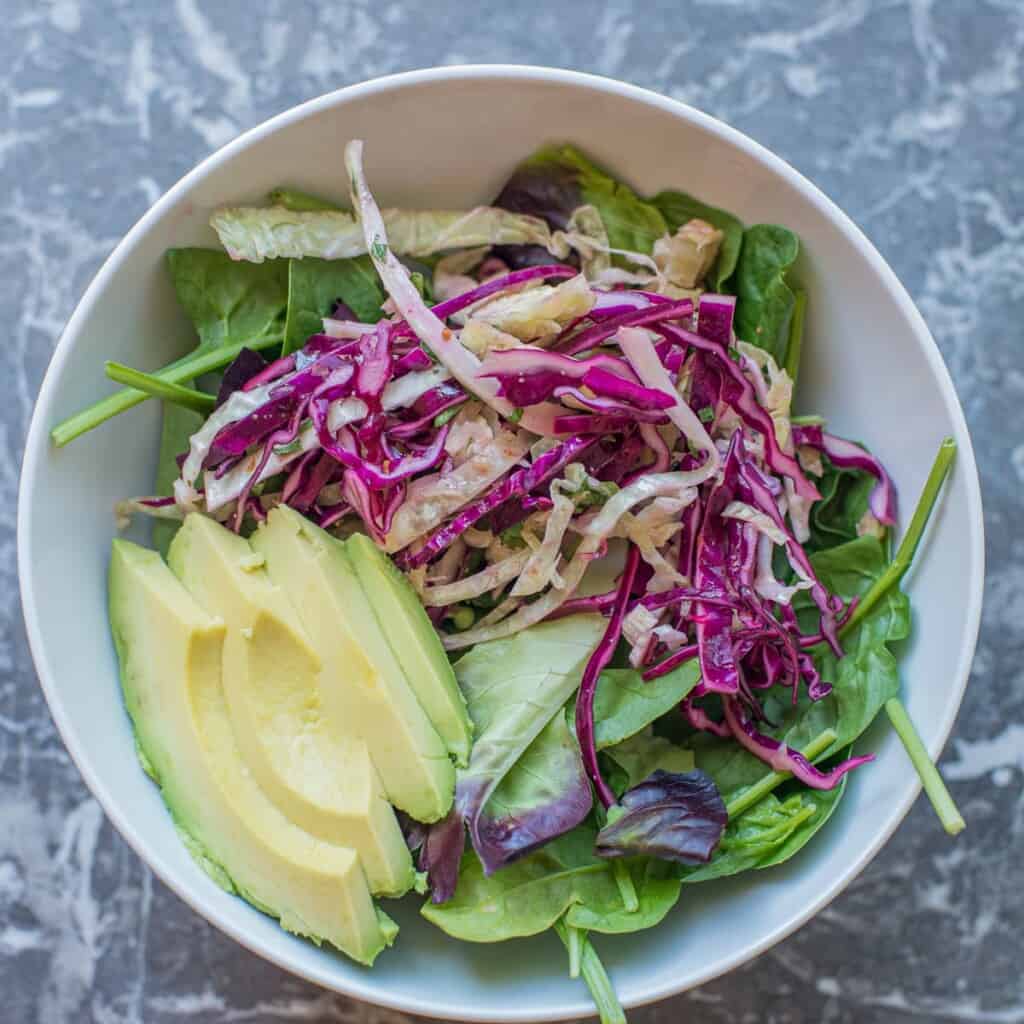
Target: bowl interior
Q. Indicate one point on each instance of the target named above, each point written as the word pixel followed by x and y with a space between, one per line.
pixel 448 138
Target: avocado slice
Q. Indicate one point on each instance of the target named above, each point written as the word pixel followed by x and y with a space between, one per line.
pixel 415 643
pixel 320 776
pixel 170 655
pixel 363 688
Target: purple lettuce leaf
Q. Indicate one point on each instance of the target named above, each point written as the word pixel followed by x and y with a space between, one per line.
pixel 514 688
pixel 677 817
pixel 239 371
pixel 544 795
pixel 441 846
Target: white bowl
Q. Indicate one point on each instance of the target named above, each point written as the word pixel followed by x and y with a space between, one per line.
pixel 449 137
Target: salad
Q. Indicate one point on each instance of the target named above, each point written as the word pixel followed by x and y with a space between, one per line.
pixel 553 438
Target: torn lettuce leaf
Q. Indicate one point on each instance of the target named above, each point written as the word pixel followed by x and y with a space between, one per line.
pixel 513 688
pixel 255 234
pixel 672 816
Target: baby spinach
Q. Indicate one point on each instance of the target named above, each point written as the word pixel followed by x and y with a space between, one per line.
pixel 765 302
pixel 844 500
pixel 625 704
pixel 233 305
pixel 645 753
pixel 565 881
pixel 314 288
pixel 677 208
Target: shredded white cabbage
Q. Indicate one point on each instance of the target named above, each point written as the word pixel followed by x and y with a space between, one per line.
pixel 542 567
pixel 765 583
pixel 777 396
pixel 496 575
pixel 755 517
pixel 401 393
pixel 636 345
pixel 432 499
pixel 539 313
pixel 481 337
pixel 683 259
pixel 679 485
pixel 239 405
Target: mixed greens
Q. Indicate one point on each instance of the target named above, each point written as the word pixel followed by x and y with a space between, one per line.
pixel 567 417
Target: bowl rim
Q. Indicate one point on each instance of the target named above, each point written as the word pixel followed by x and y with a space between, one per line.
pixel 37 446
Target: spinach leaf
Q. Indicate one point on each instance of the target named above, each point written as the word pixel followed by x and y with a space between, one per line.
pixel 645 753
pixel 771 832
pixel 513 688
pixel 844 500
pixel 563 879
pixel 765 302
pixel 868 675
pixel 230 302
pixel 179 424
pixel 233 305
pixel 557 180
pixel 625 704
pixel 677 208
pixel 601 908
pixel 314 288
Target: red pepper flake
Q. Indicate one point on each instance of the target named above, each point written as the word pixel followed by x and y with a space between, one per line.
pixel 446 334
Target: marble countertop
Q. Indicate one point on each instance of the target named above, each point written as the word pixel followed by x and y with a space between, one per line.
pixel 909 115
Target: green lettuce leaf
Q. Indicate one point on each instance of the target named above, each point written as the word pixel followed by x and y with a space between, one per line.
pixel 514 687
pixel 255 234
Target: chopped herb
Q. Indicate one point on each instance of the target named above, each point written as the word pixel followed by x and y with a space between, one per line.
pixel 449 414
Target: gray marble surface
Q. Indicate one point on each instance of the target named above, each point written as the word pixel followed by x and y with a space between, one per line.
pixel 908 114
